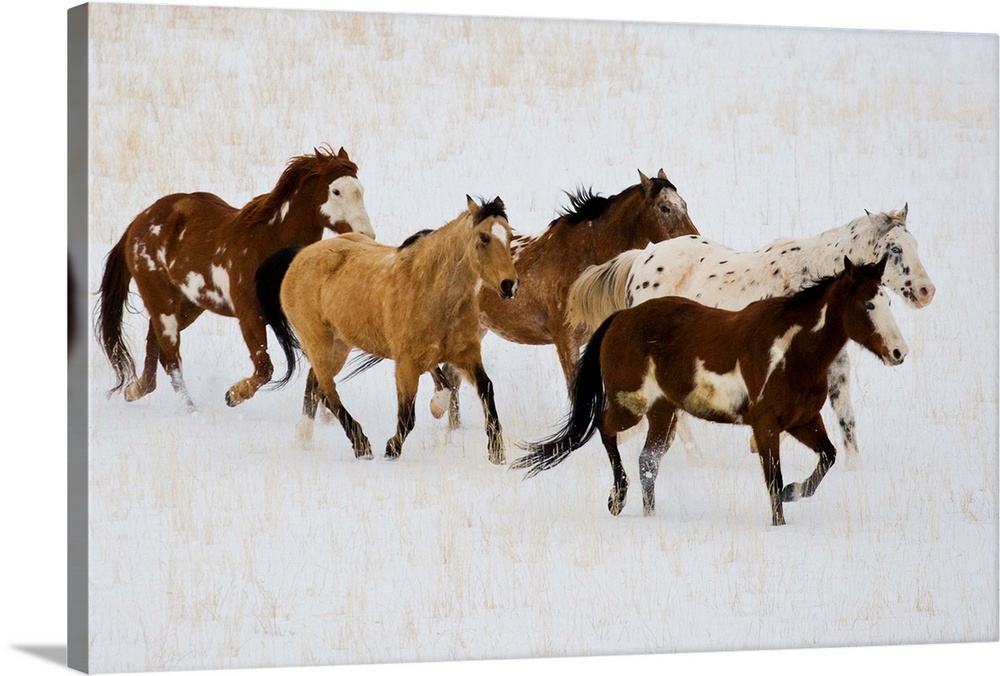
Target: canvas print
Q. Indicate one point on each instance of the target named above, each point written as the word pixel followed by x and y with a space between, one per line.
pixel 419 338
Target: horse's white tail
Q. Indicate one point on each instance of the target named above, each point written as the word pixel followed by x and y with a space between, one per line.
pixel 599 291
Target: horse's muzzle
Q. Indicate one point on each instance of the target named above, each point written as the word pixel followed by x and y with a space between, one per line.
pixel 508 288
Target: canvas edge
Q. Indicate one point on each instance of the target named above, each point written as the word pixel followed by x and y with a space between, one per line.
pixel 77 653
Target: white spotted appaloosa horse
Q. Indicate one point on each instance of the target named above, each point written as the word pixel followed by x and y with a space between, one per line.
pixel 710 273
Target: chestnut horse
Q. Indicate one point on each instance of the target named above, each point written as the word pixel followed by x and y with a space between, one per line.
pixel 764 366
pixel 192 252
pixel 591 231
pixel 416 304
pixel 718 276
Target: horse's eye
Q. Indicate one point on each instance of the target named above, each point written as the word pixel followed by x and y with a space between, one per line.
pixel 896 249
pixel 665 210
pixel 484 238
pixel 870 305
pixel 336 192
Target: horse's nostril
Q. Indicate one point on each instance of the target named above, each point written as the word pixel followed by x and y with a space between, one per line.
pixel 897 354
pixel 508 287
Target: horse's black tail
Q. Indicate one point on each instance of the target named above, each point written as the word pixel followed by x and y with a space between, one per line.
pixel 588 402
pixel 111 303
pixel 362 361
pixel 268 280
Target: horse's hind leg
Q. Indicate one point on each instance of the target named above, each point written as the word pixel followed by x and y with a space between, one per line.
pixel 447 381
pixel 407 380
pixel 146 383
pixel 352 428
pixel 812 434
pixel 662 425
pixel 840 400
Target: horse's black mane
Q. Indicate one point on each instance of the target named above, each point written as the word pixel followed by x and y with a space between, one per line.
pixel 814 290
pixel 488 209
pixel 413 238
pixel 586 205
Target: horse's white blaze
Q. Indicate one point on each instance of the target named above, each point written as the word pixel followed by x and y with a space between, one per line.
pixel 822 319
pixel 885 325
pixel 500 233
pixel 717 394
pixel 346 203
pixel 778 349
pixel 169 327
pixel 220 277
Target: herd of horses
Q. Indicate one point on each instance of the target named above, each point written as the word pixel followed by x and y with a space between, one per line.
pixel 669 323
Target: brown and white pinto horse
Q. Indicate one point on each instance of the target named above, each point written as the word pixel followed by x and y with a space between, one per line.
pixel 192 252
pixel 764 366
pixel 416 304
pixel 591 231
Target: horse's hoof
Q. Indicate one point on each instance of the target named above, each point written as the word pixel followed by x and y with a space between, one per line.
pixel 231 400
pixel 439 403
pixel 615 504
pixel 133 393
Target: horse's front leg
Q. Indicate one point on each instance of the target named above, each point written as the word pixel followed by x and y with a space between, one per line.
pixel 840 399
pixel 662 419
pixel 254 331
pixel 472 366
pixel 813 435
pixel 407 380
pixel 767 439
pixel 568 346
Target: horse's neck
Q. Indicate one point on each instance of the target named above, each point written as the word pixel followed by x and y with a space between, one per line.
pixel 822 335
pixel 824 253
pixel 448 258
pixel 618 229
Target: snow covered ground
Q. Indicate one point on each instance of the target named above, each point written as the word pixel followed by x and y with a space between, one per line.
pixel 216 542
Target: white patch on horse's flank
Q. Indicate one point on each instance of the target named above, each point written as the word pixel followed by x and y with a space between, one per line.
pixel 717 394
pixel 500 232
pixel 220 277
pixel 778 349
pixel 161 256
pixel 193 286
pixel 822 319
pixel 155 230
pixel 639 401
pixel 169 327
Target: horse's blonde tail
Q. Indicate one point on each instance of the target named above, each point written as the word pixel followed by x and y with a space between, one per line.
pixel 599 291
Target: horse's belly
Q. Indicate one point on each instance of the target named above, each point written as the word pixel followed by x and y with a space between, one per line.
pixel 718 397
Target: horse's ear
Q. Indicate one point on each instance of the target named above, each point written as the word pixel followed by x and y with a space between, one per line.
pixel 906 208
pixel 662 175
pixel 643 180
pixel 473 206
pixel 342 154
pixel 880 266
pixel 868 213
pixel 849 267
pixel 499 203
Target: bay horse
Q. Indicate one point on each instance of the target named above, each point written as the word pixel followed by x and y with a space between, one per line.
pixel 417 304
pixel 715 275
pixel 764 366
pixel 191 252
pixel 592 230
